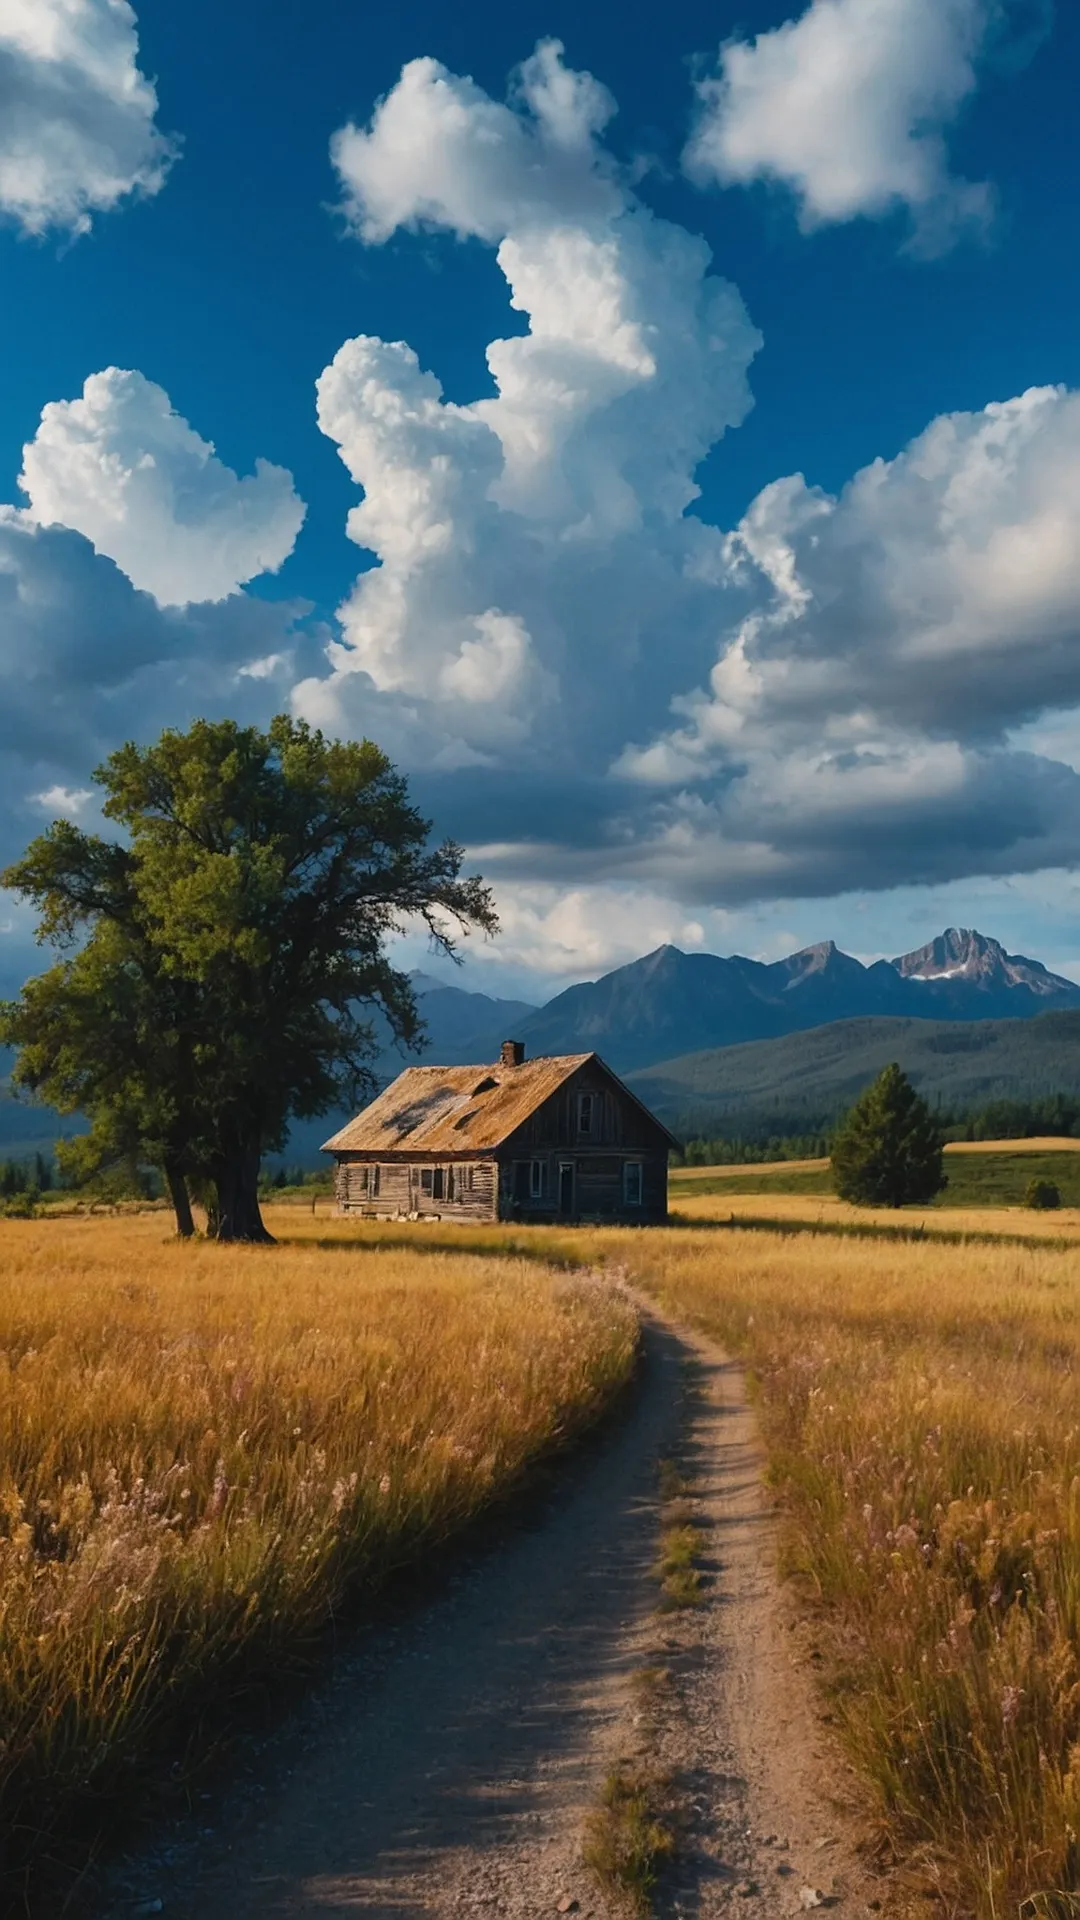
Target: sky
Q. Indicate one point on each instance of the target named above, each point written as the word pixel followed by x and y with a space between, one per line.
pixel 658 428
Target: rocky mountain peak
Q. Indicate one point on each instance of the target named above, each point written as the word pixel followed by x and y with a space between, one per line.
pixel 962 953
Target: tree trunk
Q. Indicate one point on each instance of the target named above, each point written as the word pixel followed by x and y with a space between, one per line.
pixel 236 1178
pixel 181 1200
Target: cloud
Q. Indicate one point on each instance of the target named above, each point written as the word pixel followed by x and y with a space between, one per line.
pixel 888 644
pixel 847 106
pixel 88 661
pixel 580 931
pixel 530 545
pixel 66 800
pixel 120 466
pixel 939 594
pixel 594 688
pixel 77 117
pixel 441 153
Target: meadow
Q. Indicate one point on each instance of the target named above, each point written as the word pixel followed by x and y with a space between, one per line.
pixel 206 1453
pixel 920 1407
pixel 980 1175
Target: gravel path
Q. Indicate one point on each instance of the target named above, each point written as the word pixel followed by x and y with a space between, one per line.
pixel 446 1768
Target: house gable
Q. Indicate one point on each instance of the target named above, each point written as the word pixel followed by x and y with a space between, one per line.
pixel 591 1107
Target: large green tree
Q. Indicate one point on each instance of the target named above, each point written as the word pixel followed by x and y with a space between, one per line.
pixel 888 1151
pixel 228 954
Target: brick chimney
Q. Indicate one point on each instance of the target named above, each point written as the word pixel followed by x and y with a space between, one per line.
pixel 512 1053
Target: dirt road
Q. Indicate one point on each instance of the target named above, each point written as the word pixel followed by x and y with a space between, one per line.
pixel 448 1768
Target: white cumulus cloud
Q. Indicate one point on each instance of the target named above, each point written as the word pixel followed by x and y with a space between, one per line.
pixel 890 643
pixel 70 801
pixel 120 466
pixel 532 544
pixel 593 687
pixel 577 931
pixel 77 117
pixel 940 592
pixel 848 106
pixel 441 153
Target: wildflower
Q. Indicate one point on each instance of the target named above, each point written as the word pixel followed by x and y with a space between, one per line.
pixel 220 1491
pixel 342 1489
pixel 1010 1704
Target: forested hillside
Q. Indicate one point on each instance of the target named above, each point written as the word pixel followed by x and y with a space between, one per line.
pixel 804 1080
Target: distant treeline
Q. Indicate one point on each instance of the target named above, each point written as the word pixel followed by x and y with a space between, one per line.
pixel 18 1177
pixel 1057 1113
pixel 1053 1114
pixel 281 1179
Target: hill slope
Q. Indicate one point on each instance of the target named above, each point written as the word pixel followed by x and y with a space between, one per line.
pixel 805 1080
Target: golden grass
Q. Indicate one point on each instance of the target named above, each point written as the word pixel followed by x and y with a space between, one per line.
pixel 205 1451
pixel 1040 1143
pixel 824 1210
pixel 921 1408
pixel 920 1402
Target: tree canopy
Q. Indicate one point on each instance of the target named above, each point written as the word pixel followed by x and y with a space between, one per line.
pixel 888 1151
pixel 227 956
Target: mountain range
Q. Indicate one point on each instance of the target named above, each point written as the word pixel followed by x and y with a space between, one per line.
pixel 671 1003
pixel 680 1026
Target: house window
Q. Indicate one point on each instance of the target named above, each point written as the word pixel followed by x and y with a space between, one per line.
pixel 537 1179
pixel 468 1179
pixel 438 1183
pixel 427 1179
pixel 368 1181
pixel 632 1183
pixel 586 1112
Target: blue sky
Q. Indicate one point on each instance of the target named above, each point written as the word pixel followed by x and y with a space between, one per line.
pixel 774 712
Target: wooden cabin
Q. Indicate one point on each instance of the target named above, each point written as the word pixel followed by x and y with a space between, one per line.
pixel 557 1138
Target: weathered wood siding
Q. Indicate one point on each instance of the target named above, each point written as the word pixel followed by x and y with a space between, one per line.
pixel 597 1188
pixel 454 1189
pixel 593 1127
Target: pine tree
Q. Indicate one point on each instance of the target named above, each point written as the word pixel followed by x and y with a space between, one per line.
pixel 888 1151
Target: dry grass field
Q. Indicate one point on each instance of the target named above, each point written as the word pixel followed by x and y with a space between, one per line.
pixel 1037 1143
pixel 205 1451
pixel 825 1211
pixel 921 1407
pixel 920 1404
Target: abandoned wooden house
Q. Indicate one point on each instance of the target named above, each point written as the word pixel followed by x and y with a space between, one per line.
pixel 557 1138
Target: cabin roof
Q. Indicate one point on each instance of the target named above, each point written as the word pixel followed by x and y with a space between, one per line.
pixel 455 1109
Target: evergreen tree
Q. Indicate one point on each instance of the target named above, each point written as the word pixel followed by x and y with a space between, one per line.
pixel 888 1151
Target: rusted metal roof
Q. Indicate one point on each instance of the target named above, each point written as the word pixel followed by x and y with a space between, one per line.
pixel 455 1109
